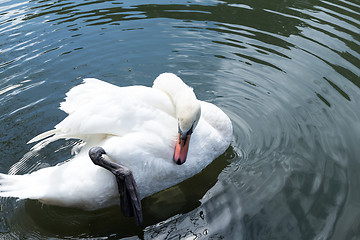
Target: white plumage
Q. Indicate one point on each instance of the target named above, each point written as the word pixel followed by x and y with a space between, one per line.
pixel 137 126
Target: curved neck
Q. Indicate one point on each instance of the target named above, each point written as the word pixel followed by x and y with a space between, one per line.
pixel 183 97
pixel 174 87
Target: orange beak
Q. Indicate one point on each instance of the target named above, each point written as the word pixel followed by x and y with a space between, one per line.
pixel 181 149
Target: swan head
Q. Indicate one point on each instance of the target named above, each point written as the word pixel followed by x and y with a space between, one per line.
pixel 188 114
pixel 187 111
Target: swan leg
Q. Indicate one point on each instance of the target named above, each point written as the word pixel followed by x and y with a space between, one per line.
pixel 130 202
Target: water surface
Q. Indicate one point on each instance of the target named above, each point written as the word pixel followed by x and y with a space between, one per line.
pixel 285 72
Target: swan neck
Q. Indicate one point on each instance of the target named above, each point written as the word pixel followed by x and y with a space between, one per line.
pixel 175 88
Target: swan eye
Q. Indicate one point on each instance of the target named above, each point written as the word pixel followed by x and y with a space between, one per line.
pixel 189 132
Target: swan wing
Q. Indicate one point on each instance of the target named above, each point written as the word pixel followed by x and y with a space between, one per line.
pixel 99 108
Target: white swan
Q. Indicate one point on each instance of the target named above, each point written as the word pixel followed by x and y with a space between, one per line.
pixel 145 129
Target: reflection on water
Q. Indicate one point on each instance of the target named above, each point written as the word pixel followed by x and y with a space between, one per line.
pixel 286 73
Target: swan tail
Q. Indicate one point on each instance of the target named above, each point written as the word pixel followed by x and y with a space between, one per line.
pixel 18 186
pixel 45 138
pixel 43 135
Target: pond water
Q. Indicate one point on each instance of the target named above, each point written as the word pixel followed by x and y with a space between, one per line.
pixel 285 72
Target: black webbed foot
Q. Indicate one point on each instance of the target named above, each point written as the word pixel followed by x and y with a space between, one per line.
pixel 130 202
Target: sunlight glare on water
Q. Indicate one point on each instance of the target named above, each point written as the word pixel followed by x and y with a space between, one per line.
pixel 285 72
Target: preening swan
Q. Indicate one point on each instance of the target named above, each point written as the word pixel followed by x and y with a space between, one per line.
pixel 136 143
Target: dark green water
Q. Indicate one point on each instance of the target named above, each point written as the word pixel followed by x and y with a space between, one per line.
pixel 286 73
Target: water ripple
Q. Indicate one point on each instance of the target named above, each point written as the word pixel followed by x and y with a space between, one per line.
pixel 286 73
